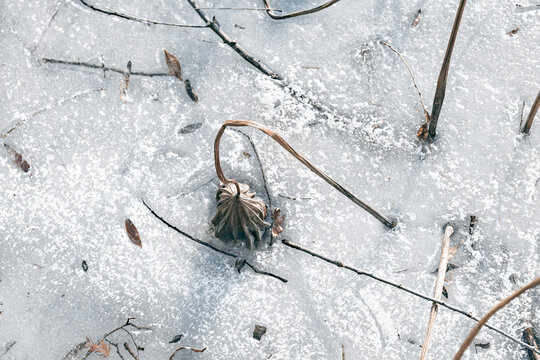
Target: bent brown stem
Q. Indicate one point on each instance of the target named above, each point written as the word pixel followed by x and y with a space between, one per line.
pixel 238 123
pixel 490 313
pixel 274 16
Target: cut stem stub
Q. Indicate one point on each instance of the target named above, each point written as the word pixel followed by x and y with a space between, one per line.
pixel 227 187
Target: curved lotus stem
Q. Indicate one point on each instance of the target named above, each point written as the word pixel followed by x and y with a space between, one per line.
pixel 239 123
pixel 490 313
pixel 296 13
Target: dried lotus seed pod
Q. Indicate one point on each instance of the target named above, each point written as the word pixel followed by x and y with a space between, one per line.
pixel 239 216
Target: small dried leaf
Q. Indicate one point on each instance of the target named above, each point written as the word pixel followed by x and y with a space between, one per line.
pixel 417 18
pixel 103 349
pixel 176 339
pixel 190 92
pixel 423 132
pixel 84 266
pixel 277 228
pixel 483 346
pixel 17 159
pixel 133 233
pixel 445 292
pixel 513 32
pixel 124 85
pixel 188 129
pixel 246 154
pixel 258 332
pixel 173 64
pixel 450 267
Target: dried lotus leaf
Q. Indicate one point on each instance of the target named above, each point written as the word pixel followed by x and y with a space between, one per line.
pixel 239 217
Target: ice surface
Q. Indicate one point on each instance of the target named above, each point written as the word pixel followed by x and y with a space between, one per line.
pixel 93 158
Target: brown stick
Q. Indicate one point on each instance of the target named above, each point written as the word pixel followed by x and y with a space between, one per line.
pixel 274 16
pixel 532 114
pixel 490 313
pixel 186 348
pixel 214 25
pixel 406 289
pixel 388 223
pixel 443 75
pixel 529 336
pixel 439 284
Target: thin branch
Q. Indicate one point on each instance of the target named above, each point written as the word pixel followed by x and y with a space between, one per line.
pixel 492 312
pixel 103 67
pixel 135 18
pixel 121 328
pixel 274 16
pixel 426 113
pixel 443 76
pixel 25 118
pixel 214 25
pixel 117 349
pixel 532 114
pixel 208 245
pixel 406 289
pixel 128 349
pixel 293 198
pixel 194 189
pixel 439 284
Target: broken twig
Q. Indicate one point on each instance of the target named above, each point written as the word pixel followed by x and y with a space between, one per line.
pixel 274 16
pixel 467 342
pixel 104 68
pixel 208 245
pixel 186 348
pixel 135 18
pixel 406 289
pixel 216 28
pixel 439 284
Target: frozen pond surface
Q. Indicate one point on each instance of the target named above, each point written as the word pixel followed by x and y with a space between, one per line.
pixel 94 157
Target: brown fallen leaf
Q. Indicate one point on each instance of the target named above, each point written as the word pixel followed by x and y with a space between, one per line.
pixel 173 64
pixel 133 233
pixel 277 228
pixel 102 349
pixel 513 32
pixel 246 154
pixel 17 158
pixel 423 132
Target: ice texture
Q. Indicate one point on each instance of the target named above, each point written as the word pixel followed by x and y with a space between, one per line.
pixel 93 158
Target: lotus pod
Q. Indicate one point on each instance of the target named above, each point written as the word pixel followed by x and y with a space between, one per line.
pixel 239 216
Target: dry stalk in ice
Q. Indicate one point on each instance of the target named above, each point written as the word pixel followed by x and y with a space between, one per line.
pixel 240 214
pixel 532 114
pixel 492 312
pixel 439 284
pixel 443 75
